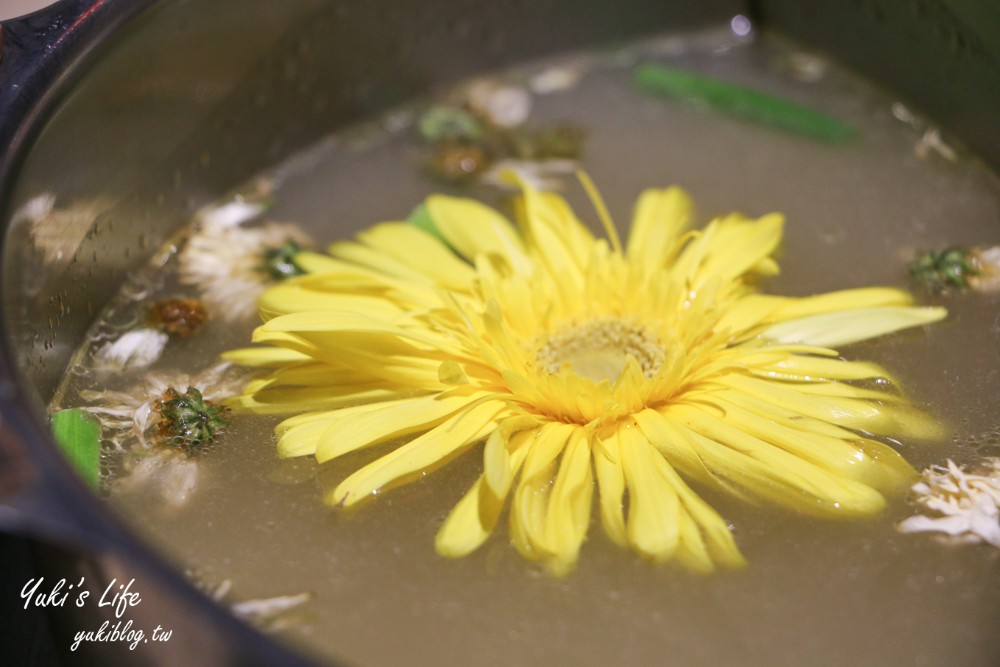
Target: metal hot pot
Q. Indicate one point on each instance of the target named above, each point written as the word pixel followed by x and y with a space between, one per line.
pixel 170 103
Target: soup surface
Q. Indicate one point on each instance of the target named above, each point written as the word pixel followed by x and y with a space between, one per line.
pixel 816 592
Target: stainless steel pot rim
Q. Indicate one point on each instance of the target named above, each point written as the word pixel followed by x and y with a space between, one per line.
pixel 40 497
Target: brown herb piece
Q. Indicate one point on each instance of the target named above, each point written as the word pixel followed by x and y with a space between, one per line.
pixel 180 317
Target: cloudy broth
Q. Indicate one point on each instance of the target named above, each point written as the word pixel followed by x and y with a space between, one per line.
pixel 815 592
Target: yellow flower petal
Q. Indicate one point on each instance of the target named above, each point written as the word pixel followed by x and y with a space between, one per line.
pixel 420 251
pixel 504 451
pixel 430 450
pixel 301 438
pixel 385 357
pixel 265 357
pixel 474 229
pixel 314 262
pixel 850 326
pixel 362 426
pixel 661 363
pixel 850 299
pixel 843 452
pixel 286 400
pixel 469 523
pixel 824 492
pixel 805 368
pixel 611 483
pixel 295 297
pixel 568 512
pixel 849 412
pixel 653 526
pixel 378 263
pixel 555 238
pixel 661 216
pixel 750 311
pixel 528 507
pixel 738 245
pixel 705 537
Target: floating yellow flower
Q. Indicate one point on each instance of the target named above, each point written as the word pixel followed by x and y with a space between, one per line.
pixel 576 359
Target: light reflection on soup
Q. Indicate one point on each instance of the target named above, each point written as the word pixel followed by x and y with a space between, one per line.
pixel 816 592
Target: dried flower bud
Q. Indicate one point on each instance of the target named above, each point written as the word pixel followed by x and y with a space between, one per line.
pixel 977 269
pixel 188 421
pixel 180 317
pixel 458 162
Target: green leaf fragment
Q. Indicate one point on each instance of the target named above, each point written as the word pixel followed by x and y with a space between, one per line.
pixel 422 220
pixel 443 123
pixel 78 434
pixel 743 102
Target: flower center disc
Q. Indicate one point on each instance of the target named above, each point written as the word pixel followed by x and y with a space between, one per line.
pixel 599 349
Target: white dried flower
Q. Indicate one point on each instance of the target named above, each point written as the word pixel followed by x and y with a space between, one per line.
pixel 265 609
pixel 507 106
pixel 903 114
pixel 230 214
pixel 35 208
pixel 555 79
pixel 217 593
pixel 932 142
pixel 227 262
pixel 266 613
pixel 987 263
pixel 964 507
pixel 807 67
pixel 128 416
pixel 167 474
pixel 134 349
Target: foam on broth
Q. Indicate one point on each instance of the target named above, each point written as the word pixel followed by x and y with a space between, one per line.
pixel 816 592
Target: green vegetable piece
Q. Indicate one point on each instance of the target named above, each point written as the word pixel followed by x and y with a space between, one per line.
pixel 189 421
pixel 279 263
pixel 743 102
pixel 78 434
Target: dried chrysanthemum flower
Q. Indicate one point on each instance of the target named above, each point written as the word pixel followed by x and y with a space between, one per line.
pixel 187 420
pixel 458 162
pixel 646 368
pixel 169 475
pixel 488 134
pixel 141 347
pixel 144 414
pixel 976 269
pixel 232 264
pixel 158 431
pixel 962 506
pixel 503 105
pixel 178 316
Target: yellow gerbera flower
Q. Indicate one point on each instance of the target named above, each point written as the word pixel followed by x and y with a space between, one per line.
pixel 576 359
